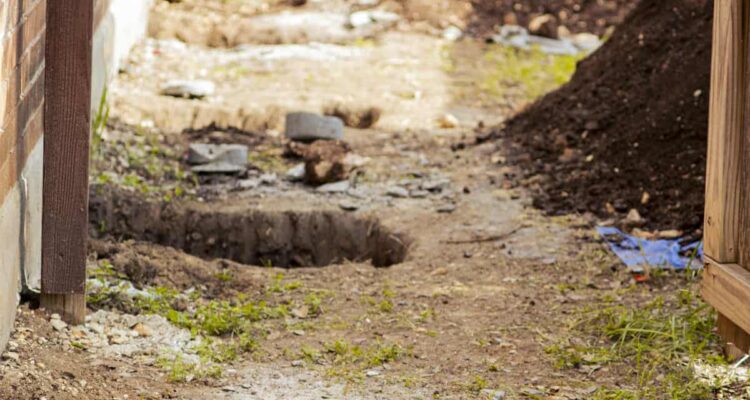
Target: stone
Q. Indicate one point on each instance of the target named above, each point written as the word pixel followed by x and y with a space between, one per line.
pixel 142 330
pixel 397 192
pixel 363 19
pixel 544 25
pixel 336 187
pixel 296 173
pixel 418 194
pixel 218 158
pixel 446 208
pixel 347 205
pixel 58 324
pixel 448 121
pixel 372 373
pixel 189 89
pixel 634 218
pixel 308 127
pixel 493 394
pixel 298 363
pixel 452 33
pixel 11 356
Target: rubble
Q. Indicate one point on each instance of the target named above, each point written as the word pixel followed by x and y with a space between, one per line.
pixel 308 127
pixel 189 89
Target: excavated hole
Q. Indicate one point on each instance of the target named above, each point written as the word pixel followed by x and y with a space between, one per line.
pixel 247 236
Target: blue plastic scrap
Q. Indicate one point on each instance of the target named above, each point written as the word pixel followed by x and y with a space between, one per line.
pixel 662 254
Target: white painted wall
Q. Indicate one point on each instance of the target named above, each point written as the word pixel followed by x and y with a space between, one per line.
pixel 125 23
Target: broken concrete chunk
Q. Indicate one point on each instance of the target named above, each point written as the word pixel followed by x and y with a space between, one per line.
pixel 189 89
pixel 307 127
pixel 218 158
pixel 199 153
pixel 363 19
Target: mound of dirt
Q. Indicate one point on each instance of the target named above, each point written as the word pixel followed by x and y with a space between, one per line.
pixel 576 15
pixel 629 130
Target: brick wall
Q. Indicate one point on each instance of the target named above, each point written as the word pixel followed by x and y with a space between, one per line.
pixel 22 26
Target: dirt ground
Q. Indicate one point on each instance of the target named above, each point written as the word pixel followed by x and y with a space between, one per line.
pixel 435 276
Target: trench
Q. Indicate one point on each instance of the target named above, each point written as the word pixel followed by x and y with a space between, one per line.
pixel 285 238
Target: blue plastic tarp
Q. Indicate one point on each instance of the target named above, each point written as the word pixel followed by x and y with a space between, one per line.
pixel 663 254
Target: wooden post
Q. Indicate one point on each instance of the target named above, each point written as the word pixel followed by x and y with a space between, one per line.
pixel 67 122
pixel 725 155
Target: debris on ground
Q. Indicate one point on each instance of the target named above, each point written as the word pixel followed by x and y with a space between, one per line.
pixel 218 158
pixel 326 161
pixel 520 38
pixel 360 118
pixel 189 89
pixel 308 127
pixel 637 253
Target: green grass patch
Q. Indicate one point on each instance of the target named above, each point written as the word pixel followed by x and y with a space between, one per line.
pixel 528 73
pixel 657 342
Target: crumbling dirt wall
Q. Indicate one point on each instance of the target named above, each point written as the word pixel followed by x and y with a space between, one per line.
pixel 22 24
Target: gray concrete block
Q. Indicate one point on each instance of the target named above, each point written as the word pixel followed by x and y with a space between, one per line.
pixel 308 127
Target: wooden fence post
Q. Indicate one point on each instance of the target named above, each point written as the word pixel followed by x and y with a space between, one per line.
pixel 67 124
pixel 725 157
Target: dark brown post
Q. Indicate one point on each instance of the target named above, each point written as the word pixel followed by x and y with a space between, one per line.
pixel 67 124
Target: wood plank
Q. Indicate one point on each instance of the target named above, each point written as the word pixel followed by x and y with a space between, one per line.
pixel 737 341
pixel 727 288
pixel 726 120
pixel 66 150
pixel 71 307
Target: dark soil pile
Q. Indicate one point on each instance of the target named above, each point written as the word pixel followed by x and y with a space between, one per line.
pixel 594 16
pixel 633 120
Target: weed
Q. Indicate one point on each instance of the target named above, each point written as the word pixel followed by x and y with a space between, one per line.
pixel 99 124
pixel 531 72
pixel 658 341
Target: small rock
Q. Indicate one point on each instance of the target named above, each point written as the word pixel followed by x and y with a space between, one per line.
pixel 419 194
pixel 544 25
pixel 298 363
pixel 142 330
pixel 398 192
pixel 189 89
pixel 336 187
pixel 296 173
pixel 493 394
pixel 446 208
pixel 362 19
pixel 634 218
pixel 308 127
pixel 54 316
pixel 448 121
pixel 11 356
pixel 645 198
pixel 58 324
pixel 372 373
pixel 300 313
pixel 298 332
pixel 452 33
pixel 569 155
pixel 347 205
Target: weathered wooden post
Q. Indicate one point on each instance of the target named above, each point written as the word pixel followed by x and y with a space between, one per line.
pixel 726 284
pixel 67 122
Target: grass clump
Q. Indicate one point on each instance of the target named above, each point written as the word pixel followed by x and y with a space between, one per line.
pixel 349 361
pixel 658 343
pixel 528 73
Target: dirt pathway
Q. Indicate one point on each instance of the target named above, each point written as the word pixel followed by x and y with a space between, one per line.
pixel 486 286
